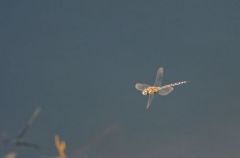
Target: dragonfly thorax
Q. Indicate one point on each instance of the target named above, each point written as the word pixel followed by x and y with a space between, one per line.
pixel 150 90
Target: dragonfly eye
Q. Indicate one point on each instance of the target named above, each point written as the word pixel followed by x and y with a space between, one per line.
pixel 144 92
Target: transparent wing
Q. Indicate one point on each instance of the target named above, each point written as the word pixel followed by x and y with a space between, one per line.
pixel 150 99
pixel 140 86
pixel 29 123
pixel 159 76
pixel 27 144
pixel 165 90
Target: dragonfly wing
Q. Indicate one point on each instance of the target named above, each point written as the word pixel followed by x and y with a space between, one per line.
pixel 29 123
pixel 165 90
pixel 140 86
pixel 150 99
pixel 27 144
pixel 159 76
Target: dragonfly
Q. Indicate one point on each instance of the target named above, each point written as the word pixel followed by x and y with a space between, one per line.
pixel 157 87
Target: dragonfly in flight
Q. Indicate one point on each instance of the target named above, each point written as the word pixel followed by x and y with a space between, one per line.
pixel 157 87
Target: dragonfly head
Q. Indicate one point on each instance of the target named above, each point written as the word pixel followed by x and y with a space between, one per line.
pixel 144 92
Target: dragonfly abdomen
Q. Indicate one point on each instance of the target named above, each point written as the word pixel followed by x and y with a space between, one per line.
pixel 177 83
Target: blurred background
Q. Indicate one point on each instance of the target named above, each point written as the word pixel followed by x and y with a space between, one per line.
pixel 79 61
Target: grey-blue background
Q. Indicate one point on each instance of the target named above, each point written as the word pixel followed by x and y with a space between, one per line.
pixel 79 61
